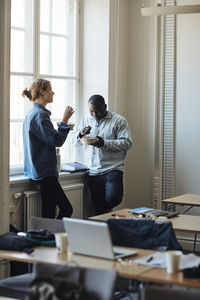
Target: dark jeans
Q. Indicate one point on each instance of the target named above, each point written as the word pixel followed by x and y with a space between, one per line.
pixel 52 194
pixel 106 191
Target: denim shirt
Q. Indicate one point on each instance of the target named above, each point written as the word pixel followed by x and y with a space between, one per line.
pixel 114 130
pixel 40 141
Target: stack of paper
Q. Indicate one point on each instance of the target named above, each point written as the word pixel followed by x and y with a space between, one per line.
pixel 158 260
pixel 74 167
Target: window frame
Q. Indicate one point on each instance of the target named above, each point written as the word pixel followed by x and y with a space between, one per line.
pixel 18 169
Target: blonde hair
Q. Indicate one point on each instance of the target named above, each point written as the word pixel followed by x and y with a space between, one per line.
pixel 33 92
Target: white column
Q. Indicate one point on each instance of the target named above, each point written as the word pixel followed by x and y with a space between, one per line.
pixel 4 112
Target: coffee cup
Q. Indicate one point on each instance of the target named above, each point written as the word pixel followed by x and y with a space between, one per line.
pixel 61 242
pixel 172 258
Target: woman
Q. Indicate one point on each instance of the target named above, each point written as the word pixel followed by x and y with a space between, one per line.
pixel 40 142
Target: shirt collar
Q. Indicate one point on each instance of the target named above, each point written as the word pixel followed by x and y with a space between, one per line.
pixel 107 116
pixel 37 105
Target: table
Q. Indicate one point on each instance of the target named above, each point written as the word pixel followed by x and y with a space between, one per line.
pixel 190 200
pixel 186 199
pixel 123 267
pixel 181 223
pixel 50 255
pixel 186 223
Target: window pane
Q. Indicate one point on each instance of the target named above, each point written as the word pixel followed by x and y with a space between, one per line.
pixel 19 105
pixel 59 53
pixel 59 13
pixel 44 15
pixel 58 45
pixel 67 151
pixel 17 13
pixel 22 37
pixel 64 95
pixel 45 66
pixel 17 50
pixel 18 108
pixel 16 144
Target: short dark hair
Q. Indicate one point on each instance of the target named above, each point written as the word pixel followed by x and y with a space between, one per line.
pixel 96 99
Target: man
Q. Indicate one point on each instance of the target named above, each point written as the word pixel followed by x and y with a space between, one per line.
pixel 106 153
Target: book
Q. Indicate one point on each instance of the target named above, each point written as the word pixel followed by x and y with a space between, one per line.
pixel 147 212
pixel 73 167
pixel 140 210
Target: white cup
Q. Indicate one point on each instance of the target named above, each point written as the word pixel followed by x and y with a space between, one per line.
pixel 61 242
pixel 172 258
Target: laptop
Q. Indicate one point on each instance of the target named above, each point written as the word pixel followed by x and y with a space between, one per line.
pixel 93 239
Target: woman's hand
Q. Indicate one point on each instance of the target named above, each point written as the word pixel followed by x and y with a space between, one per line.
pixel 67 114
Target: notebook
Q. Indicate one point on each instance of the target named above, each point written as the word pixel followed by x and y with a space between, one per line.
pixel 73 167
pixel 147 212
pixel 93 239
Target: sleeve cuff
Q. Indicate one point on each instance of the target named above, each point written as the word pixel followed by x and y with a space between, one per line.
pixel 64 126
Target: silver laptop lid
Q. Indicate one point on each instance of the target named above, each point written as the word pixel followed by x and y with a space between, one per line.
pixel 93 238
pixel 89 237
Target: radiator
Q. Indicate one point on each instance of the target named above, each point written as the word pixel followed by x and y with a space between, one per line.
pixel 33 203
pixel 32 206
pixel 74 193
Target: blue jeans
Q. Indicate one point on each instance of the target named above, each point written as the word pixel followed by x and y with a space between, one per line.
pixel 106 191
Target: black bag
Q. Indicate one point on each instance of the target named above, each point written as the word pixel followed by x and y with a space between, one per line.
pixel 15 242
pixel 41 237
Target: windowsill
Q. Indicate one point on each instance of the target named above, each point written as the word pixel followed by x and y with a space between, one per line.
pixel 21 179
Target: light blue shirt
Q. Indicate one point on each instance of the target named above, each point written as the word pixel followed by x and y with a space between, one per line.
pixel 114 130
pixel 40 141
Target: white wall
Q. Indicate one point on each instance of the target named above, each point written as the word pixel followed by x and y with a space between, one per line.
pixel 188 105
pixel 95 49
pixel 141 106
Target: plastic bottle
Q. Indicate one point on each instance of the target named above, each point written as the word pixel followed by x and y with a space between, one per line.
pixel 58 158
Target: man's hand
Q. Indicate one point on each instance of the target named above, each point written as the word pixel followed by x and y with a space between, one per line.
pixel 85 131
pixel 99 143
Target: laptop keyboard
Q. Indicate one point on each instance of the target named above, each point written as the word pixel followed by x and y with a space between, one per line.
pixel 117 253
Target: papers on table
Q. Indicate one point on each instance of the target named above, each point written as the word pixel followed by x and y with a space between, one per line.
pixel 158 260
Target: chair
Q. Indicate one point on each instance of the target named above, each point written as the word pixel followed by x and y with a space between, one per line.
pixel 53 225
pixel 98 284
pixel 166 293
pixel 16 286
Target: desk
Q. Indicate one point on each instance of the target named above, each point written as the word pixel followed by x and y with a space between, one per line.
pixel 186 223
pixel 50 255
pixel 183 223
pixel 124 268
pixel 190 200
pixel 161 276
pixel 187 199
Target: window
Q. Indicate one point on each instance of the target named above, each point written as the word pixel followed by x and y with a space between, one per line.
pixel 43 44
